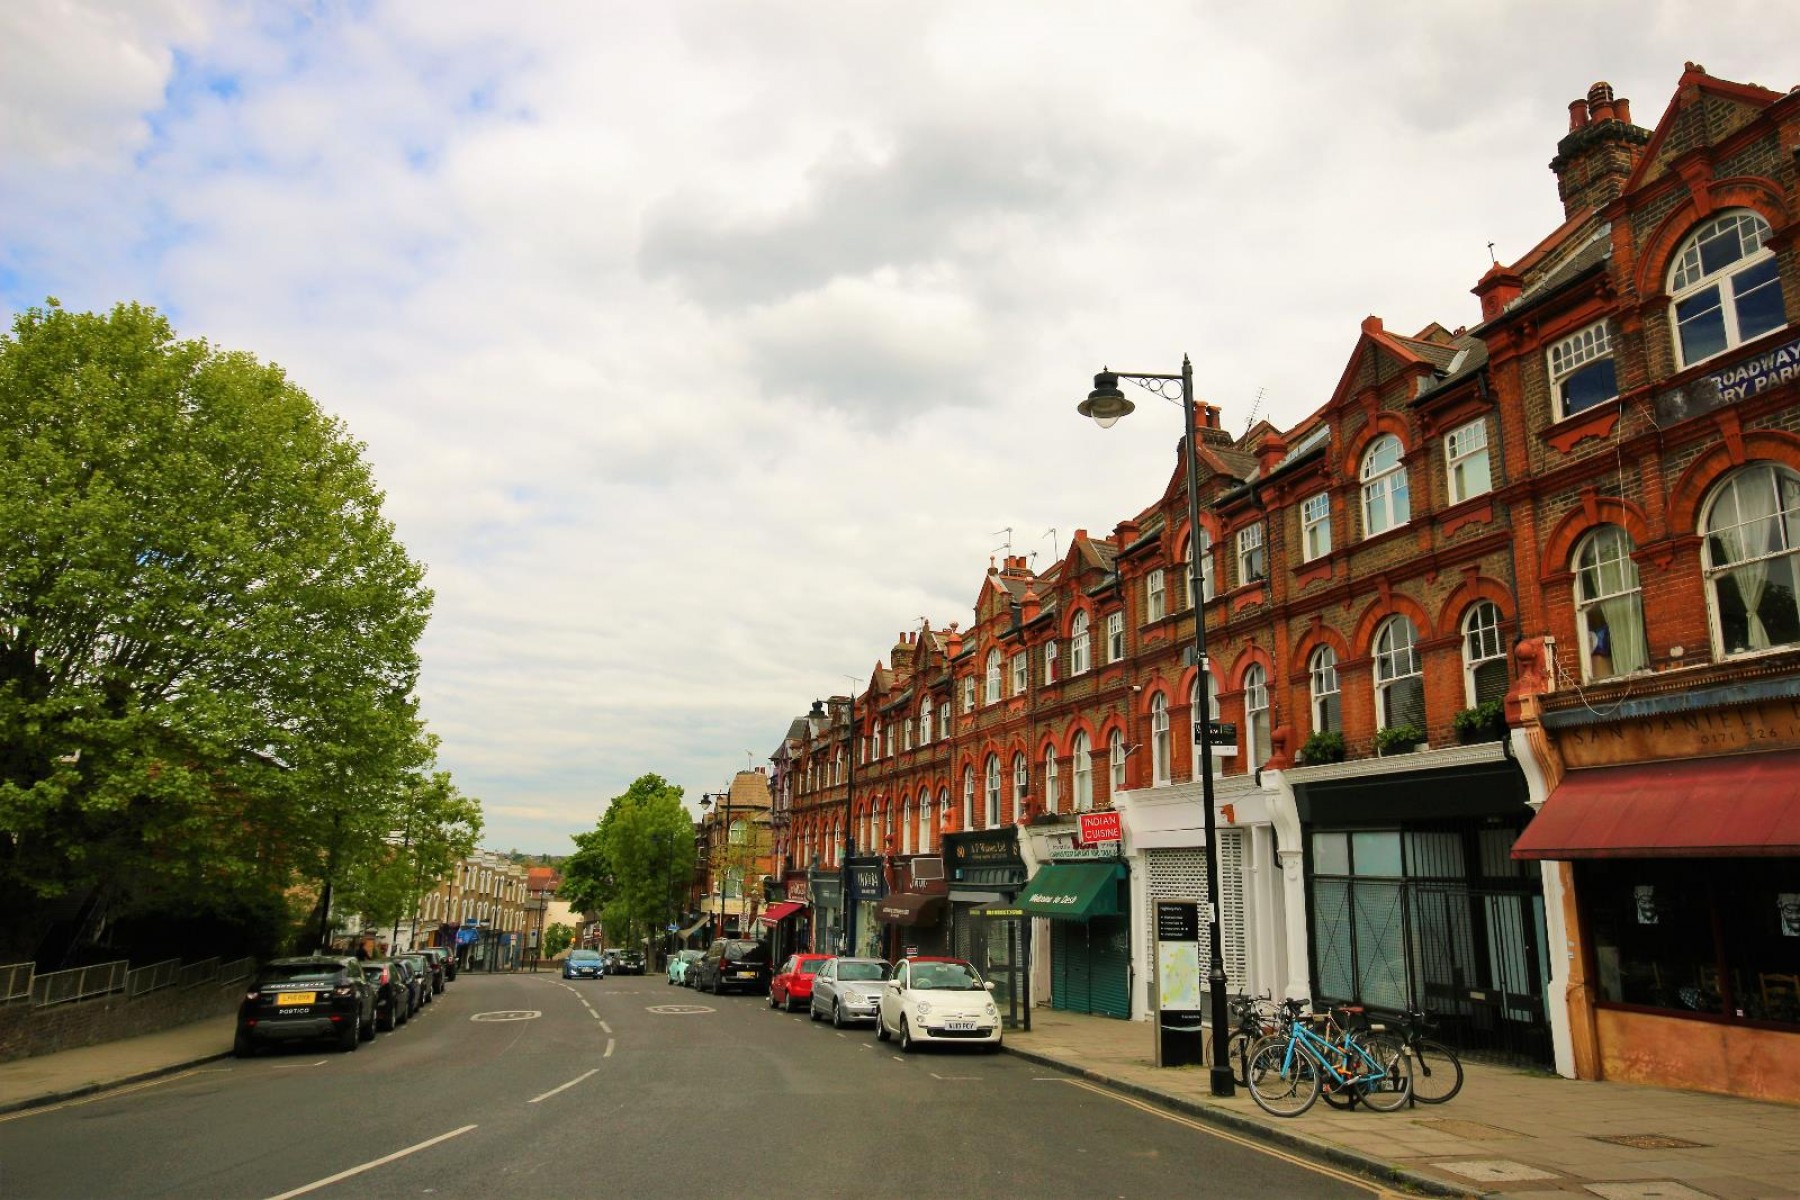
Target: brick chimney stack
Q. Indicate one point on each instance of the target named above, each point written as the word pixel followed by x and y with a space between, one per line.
pixel 1597 155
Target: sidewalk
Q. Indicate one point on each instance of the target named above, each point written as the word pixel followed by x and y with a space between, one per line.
pixel 52 1078
pixel 1509 1133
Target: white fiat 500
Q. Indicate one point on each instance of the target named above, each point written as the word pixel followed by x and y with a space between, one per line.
pixel 931 1000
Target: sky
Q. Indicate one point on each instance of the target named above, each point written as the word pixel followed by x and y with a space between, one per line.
pixel 703 348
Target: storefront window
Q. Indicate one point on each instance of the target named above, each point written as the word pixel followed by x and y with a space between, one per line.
pixel 1697 936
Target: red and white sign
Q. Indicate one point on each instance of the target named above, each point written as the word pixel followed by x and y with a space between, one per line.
pixel 1099 827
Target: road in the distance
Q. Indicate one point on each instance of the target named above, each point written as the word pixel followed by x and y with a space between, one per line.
pixel 612 1097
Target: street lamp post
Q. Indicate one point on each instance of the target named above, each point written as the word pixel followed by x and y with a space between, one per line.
pixel 850 826
pixel 1106 404
pixel 723 801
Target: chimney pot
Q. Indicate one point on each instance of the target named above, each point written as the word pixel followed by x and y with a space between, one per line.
pixel 1622 110
pixel 1578 114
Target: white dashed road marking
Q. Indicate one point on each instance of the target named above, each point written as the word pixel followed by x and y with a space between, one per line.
pixel 331 1179
pixel 564 1087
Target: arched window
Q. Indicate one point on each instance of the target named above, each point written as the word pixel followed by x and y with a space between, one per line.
pixel 1159 741
pixel 922 839
pixel 943 810
pixel 1399 683
pixel 1752 530
pixel 1084 773
pixel 993 792
pixel 1724 286
pixel 1187 569
pixel 1211 711
pixel 1386 504
pixel 1256 718
pixel 1609 608
pixel 1115 761
pixel 1021 772
pixel 1327 710
pixel 925 722
pixel 1051 797
pixel 993 677
pixel 968 812
pixel 1078 644
pixel 906 827
pixel 1484 654
pixel 837 769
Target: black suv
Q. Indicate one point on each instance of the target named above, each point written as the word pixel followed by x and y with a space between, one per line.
pixel 315 998
pixel 628 962
pixel 733 964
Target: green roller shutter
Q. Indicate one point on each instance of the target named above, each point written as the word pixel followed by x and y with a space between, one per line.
pixel 1109 962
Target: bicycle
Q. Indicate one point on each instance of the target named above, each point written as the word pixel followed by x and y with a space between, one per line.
pixel 1375 1038
pixel 1437 1073
pixel 1257 1017
pixel 1288 1070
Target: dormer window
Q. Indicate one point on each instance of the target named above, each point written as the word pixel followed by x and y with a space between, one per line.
pixel 1581 370
pixel 1725 287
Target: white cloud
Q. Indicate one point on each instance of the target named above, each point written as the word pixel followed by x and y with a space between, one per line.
pixel 702 349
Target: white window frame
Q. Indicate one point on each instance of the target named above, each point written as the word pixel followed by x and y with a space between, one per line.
pixel 1256 709
pixel 1748 550
pixel 991 811
pixel 1051 783
pixel 1482 643
pixel 1315 527
pixel 1159 741
pixel 1470 471
pixel 1690 280
pixel 1115 763
pixel 1577 355
pixel 1021 778
pixel 1387 499
pixel 1050 661
pixel 968 812
pixel 1252 561
pixel 1115 636
pixel 1394 663
pixel 1323 687
pixel 925 723
pixel 1082 753
pixel 943 723
pixel 906 735
pixel 968 693
pixel 1155 597
pixel 1606 576
pixel 1078 643
pixel 993 677
pixel 1019 673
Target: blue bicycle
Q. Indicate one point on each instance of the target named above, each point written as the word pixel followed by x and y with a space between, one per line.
pixel 1288 1070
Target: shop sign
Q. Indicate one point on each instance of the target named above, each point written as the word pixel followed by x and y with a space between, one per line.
pixel 988 910
pixel 797 890
pixel 1108 853
pixel 1740 381
pixel 1100 827
pixel 983 850
pixel 1771 725
pixel 865 881
pixel 1222 735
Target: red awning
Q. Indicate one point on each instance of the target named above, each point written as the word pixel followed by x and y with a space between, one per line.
pixel 1734 806
pixel 775 914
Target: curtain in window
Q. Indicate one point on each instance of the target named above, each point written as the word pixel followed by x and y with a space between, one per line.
pixel 1743 531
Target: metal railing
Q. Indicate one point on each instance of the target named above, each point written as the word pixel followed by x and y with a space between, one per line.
pixel 236 971
pixel 15 981
pixel 195 974
pixel 79 983
pixel 141 981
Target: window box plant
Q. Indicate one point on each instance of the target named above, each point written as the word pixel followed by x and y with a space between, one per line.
pixel 1483 723
pixel 1398 739
pixel 1322 746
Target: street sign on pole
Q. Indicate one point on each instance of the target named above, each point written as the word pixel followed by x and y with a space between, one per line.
pixel 1223 737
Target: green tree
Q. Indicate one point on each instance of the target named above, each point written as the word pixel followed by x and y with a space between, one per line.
pixel 440 828
pixel 207 628
pixel 633 865
pixel 557 938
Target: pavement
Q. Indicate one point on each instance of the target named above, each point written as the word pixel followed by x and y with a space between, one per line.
pixel 1512 1134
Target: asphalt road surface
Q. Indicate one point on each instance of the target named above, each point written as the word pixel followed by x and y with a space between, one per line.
pixel 523 1086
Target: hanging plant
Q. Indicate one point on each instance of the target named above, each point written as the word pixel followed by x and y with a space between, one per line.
pixel 1398 739
pixel 1322 746
pixel 1483 723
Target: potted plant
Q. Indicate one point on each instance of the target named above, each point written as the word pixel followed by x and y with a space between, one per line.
pixel 1483 723
pixel 1322 746
pixel 1398 739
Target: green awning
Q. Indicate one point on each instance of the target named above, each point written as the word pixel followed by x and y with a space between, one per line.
pixel 1076 890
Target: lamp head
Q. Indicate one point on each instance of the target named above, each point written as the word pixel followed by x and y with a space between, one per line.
pixel 1106 403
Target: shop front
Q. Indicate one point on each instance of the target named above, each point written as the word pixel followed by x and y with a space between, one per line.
pixel 986 874
pixel 1417 900
pixel 913 913
pixel 827 891
pixel 1681 895
pixel 786 918
pixel 1087 902
pixel 866 890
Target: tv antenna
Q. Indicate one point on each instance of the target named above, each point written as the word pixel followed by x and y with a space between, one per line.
pixel 1255 407
pixel 1054 552
pixel 1006 545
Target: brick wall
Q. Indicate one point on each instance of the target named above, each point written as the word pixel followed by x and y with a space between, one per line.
pixel 27 1031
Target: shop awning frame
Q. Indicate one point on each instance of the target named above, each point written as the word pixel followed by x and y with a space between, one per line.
pixel 913 909
pixel 1074 890
pixel 775 914
pixel 1733 806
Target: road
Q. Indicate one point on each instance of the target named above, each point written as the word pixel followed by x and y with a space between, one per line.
pixel 525 1086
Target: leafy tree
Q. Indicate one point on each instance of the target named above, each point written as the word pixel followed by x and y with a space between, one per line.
pixel 557 938
pixel 440 828
pixel 207 628
pixel 632 866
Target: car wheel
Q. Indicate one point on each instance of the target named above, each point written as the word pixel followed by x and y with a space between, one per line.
pixel 386 1023
pixel 349 1037
pixel 907 1045
pixel 771 997
pixel 812 1011
pixel 367 1031
pixel 881 1032
pixel 242 1046
pixel 788 1005
pixel 837 1015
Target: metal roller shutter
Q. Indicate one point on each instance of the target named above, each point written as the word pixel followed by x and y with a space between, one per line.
pixel 1181 875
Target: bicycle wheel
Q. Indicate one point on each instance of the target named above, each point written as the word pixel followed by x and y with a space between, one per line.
pixel 1237 1053
pixel 1437 1073
pixel 1283 1082
pixel 1392 1088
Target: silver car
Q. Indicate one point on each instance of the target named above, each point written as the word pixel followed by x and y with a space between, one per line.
pixel 848 990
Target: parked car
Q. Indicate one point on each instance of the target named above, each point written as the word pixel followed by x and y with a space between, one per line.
pixel 584 964
pixel 440 973
pixel 847 990
pixel 394 992
pixel 415 986
pixel 627 962
pixel 792 985
pixel 733 964
pixel 931 1000
pixel 679 963
pixel 448 957
pixel 421 966
pixel 311 998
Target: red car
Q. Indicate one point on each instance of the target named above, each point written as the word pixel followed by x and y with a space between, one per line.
pixel 792 986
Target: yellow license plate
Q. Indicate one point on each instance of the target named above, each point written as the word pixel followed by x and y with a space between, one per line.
pixel 287 998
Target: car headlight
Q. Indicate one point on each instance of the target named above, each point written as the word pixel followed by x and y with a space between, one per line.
pixel 991 1010
pixel 924 1008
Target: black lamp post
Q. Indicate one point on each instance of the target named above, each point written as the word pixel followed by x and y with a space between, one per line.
pixel 723 799
pixel 1106 404
pixel 850 825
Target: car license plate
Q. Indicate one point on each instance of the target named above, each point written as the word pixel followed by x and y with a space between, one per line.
pixel 285 999
pixel 960 1026
pixel 746 974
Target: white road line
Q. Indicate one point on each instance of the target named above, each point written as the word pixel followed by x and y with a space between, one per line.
pixel 606 1029
pixel 564 1087
pixel 369 1166
pixel 595 1015
pixel 843 1035
pixel 609 1049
